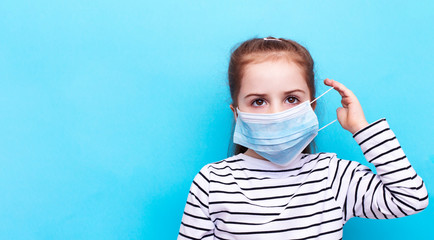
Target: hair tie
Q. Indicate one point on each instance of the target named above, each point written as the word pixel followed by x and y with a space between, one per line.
pixel 275 39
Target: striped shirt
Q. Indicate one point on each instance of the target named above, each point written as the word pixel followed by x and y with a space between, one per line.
pixel 242 197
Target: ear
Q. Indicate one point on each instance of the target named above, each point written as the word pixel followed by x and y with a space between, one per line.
pixel 234 111
pixel 314 105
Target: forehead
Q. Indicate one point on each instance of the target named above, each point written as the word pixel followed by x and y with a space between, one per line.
pixel 272 76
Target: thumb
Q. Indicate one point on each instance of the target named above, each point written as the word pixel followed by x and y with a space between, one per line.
pixel 342 115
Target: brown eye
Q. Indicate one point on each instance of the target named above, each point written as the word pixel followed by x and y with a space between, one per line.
pixel 258 102
pixel 292 100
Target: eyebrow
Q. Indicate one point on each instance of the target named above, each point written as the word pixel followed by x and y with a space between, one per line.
pixel 263 95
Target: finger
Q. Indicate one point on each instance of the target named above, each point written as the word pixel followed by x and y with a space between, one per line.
pixel 346 102
pixel 331 83
pixel 328 82
pixel 340 88
pixel 342 116
pixel 343 91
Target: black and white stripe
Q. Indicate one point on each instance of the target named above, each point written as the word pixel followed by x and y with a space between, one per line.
pixel 312 198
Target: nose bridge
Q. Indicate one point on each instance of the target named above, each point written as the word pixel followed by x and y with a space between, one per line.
pixel 275 109
pixel 276 106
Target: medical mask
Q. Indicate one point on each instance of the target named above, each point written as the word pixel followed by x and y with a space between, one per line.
pixel 279 137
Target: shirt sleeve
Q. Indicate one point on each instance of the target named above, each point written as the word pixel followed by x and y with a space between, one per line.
pixel 196 222
pixel 395 191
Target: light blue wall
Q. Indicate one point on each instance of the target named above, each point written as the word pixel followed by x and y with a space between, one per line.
pixel 109 108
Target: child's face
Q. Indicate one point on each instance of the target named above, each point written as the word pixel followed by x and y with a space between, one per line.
pixel 271 87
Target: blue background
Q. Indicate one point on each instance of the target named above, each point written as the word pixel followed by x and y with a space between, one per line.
pixel 108 109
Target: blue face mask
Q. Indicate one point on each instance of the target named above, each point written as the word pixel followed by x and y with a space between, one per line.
pixel 279 137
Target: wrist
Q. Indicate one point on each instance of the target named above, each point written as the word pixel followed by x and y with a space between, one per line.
pixel 359 126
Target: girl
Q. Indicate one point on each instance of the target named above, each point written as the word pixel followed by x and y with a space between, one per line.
pixel 273 187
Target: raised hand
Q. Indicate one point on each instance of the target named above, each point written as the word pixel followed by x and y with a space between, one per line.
pixel 350 115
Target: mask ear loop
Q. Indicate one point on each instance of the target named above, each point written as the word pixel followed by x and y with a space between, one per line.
pixel 327 125
pixel 321 95
pixel 317 99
